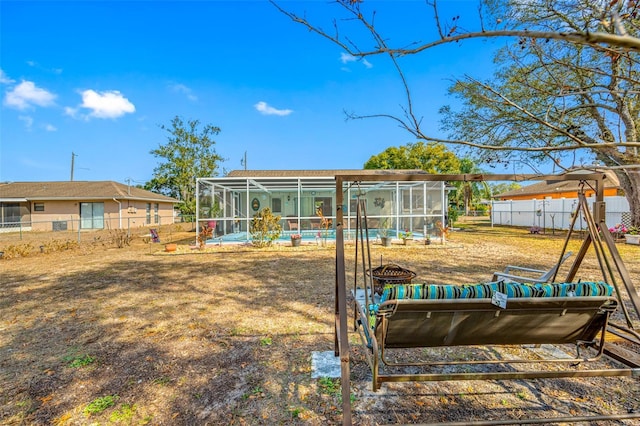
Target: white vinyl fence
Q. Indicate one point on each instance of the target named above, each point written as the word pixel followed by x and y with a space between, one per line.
pixel 555 213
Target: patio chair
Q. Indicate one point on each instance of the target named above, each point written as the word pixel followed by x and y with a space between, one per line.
pixel 293 224
pixel 529 275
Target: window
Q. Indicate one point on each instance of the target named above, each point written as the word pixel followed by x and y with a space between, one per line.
pixel 148 215
pixel 38 207
pixel 156 213
pixel 10 214
pixel 92 215
pixel 276 205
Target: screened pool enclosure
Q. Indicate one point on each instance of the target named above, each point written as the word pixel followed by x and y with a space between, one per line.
pixel 306 202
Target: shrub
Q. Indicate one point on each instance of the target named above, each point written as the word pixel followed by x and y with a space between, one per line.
pixel 406 234
pixel 59 245
pixel 265 228
pixel 481 209
pixel 205 234
pixel 120 237
pixel 19 250
pixel 453 214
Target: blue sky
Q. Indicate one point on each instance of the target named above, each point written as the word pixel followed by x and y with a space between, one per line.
pixel 98 78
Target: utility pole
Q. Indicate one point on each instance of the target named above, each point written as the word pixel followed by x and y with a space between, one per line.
pixel 244 161
pixel 73 157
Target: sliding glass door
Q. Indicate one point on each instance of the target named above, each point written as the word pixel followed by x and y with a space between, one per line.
pixel 91 215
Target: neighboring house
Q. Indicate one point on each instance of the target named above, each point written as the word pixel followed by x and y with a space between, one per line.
pixel 560 189
pixel 551 204
pixel 72 205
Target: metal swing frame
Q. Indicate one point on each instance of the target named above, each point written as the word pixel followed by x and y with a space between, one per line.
pixel 598 234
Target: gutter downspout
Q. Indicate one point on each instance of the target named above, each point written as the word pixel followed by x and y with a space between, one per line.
pixel 119 213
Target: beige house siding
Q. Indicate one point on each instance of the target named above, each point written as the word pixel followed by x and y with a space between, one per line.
pixel 124 215
pixel 134 215
pixel 122 207
pixel 57 211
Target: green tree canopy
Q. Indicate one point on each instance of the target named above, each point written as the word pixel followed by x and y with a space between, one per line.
pixel 433 158
pixel 430 157
pixel 502 187
pixel 188 154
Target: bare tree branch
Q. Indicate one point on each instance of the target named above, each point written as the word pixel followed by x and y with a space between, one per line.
pixel 587 38
pixel 421 136
pixel 567 96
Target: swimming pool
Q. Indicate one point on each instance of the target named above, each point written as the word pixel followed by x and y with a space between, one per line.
pixel 307 235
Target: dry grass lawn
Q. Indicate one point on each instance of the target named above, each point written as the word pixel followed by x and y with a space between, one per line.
pixel 101 335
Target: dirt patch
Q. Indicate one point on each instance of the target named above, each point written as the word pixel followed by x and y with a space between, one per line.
pixel 225 336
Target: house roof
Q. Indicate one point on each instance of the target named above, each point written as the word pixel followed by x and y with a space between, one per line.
pixel 287 180
pixel 550 187
pixel 77 190
pixel 310 173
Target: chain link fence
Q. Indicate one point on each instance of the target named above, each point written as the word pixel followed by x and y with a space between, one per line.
pixel 46 235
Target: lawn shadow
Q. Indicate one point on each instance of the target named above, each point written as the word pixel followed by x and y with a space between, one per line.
pixel 212 334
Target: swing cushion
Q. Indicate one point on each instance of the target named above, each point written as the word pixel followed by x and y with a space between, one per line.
pixel 487 290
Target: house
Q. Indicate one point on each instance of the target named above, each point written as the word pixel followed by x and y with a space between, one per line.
pixel 561 189
pixel 80 205
pixel 306 202
pixel 551 204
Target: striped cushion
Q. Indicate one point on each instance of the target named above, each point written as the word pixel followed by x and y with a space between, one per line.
pixel 486 290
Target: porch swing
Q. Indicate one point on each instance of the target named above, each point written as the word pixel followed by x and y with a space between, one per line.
pixel 498 313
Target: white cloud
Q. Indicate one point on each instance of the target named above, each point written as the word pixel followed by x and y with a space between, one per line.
pixel 181 88
pixel 26 95
pixel 50 127
pixel 4 79
pixel 73 112
pixel 36 65
pixel 345 58
pixel 265 109
pixel 109 104
pixel 28 121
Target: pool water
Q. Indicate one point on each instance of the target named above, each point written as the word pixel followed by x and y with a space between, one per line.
pixel 307 235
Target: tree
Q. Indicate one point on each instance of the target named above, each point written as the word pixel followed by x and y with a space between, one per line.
pixel 468 192
pixel 502 187
pixel 430 157
pixel 568 87
pixel 557 100
pixel 189 153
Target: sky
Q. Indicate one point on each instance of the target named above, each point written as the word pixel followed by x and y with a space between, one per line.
pixel 93 81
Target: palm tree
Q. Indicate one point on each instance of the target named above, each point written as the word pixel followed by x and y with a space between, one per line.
pixel 467 193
